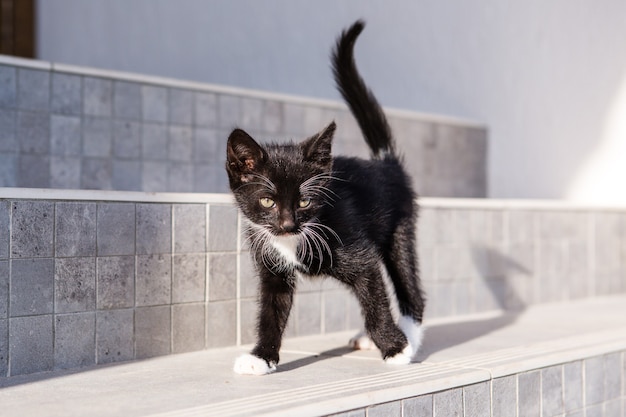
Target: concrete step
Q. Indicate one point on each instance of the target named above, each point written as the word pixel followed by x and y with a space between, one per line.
pixel 563 359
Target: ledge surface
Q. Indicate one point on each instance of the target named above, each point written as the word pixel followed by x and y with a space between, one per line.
pixel 319 375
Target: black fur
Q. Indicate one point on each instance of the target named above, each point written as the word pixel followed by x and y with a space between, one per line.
pixel 349 214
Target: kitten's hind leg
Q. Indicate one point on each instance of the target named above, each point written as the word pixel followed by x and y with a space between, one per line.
pixel 402 267
pixel 379 323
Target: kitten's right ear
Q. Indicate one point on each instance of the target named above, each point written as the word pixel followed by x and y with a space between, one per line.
pixel 243 155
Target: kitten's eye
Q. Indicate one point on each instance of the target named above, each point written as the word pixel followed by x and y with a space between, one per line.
pixel 304 202
pixel 267 202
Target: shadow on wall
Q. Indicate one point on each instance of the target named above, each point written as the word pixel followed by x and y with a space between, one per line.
pixel 440 337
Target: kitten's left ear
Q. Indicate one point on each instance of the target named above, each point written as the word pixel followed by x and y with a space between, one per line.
pixel 317 148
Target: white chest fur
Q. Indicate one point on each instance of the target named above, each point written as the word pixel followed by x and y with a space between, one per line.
pixel 286 247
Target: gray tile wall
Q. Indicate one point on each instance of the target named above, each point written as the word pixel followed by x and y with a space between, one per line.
pixel 589 387
pixel 133 280
pixel 474 260
pixel 73 130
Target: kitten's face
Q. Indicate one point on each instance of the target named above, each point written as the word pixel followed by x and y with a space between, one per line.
pixel 280 188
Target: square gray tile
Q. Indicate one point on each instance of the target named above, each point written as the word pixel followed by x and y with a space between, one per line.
pixel 4 348
pixel 188 327
pixel 308 312
pixel 97 137
pixel 251 114
pixel 248 321
pixel 127 100
pixel 74 285
pixel 33 89
pixel 222 277
pixel 180 177
pixel 223 231
pixel 504 395
pixel 273 116
pixel 65 172
pixel 75 229
pixel 116 229
pixel 294 115
pixel 65 135
pixel 154 103
pixel 33 129
pixel 114 336
pixel 33 171
pixel 205 145
pixel 189 228
pixel 476 399
pixel 202 179
pixel 8 169
pixel 229 111
pixel 188 278
pixel 8 81
pixel 74 340
pixel 181 106
pixel 5 221
pixel 152 331
pixel 573 386
pixel 221 324
pixel 4 289
pixel 529 393
pixel 127 139
pixel 126 175
pixel 31 344
pixel 154 141
pixel 154 176
pixel 594 380
pixel 96 174
pixel 448 403
pixel 205 109
pixel 8 131
pixel 154 280
pixel 418 406
pixel 248 276
pixel 335 314
pixel 115 282
pixel 612 375
pixel 67 97
pixel 154 228
pixel 180 143
pixel 97 97
pixel 32 227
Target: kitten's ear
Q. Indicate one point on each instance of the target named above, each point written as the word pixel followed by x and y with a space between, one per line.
pixel 243 155
pixel 317 148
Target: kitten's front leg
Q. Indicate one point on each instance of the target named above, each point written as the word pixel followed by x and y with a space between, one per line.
pixel 274 307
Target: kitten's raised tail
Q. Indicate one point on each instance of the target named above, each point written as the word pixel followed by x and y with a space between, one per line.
pixel 361 101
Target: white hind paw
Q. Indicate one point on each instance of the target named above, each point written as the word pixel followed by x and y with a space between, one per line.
pixel 249 364
pixel 414 334
pixel 402 358
pixel 361 341
pixel 413 331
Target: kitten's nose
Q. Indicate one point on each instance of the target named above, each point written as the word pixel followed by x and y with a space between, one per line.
pixel 287 225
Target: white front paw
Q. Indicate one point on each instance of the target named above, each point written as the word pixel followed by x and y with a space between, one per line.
pixel 249 364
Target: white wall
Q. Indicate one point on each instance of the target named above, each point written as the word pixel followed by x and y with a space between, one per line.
pixel 548 77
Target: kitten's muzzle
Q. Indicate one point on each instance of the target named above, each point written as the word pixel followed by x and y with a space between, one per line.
pixel 287 226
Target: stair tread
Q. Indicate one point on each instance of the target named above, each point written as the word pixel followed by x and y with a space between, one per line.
pixel 319 375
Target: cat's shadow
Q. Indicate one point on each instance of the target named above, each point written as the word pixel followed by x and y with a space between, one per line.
pixel 443 336
pixel 437 338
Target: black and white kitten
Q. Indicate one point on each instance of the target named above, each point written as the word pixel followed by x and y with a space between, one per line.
pixel 310 215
